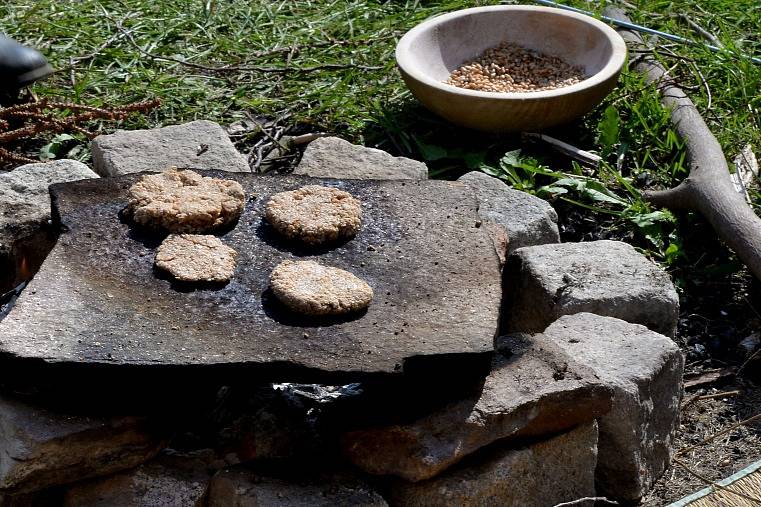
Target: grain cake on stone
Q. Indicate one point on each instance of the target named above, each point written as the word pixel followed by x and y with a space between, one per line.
pixel 185 202
pixel 196 258
pixel 315 214
pixel 313 289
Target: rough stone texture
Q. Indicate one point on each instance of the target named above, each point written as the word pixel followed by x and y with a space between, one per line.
pixel 199 144
pixel 499 238
pixel 264 424
pixel 528 220
pixel 39 448
pixel 603 277
pixel 332 157
pixel 435 276
pixel 241 487
pixel 25 211
pixel 162 482
pixel 645 371
pixel 543 474
pixel 534 389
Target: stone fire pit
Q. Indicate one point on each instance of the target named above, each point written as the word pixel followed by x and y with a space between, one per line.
pixel 97 299
pixel 546 381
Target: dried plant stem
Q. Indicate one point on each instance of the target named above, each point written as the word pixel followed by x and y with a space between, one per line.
pixel 744 422
pixel 13 157
pixel 594 500
pixel 702 31
pixel 38 117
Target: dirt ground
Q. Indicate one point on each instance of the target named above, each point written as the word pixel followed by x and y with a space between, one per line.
pixel 719 458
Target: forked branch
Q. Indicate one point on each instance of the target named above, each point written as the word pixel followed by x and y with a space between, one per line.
pixel 708 189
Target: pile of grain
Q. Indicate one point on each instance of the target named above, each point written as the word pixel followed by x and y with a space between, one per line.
pixel 512 68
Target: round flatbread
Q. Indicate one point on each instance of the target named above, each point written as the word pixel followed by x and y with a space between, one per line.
pixel 196 258
pixel 184 201
pixel 313 289
pixel 315 214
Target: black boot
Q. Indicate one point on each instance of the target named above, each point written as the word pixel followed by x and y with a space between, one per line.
pixel 19 65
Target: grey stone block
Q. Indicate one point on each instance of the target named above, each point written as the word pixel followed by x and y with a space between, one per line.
pixel 603 277
pixel 645 370
pixel 534 389
pixel 543 474
pixel 499 237
pixel 528 220
pixel 166 481
pixel 199 144
pixel 25 211
pixel 323 489
pixel 40 449
pixel 332 157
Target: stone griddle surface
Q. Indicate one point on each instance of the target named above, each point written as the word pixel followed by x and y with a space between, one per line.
pixel 97 299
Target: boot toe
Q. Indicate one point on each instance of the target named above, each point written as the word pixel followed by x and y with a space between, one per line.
pixel 20 65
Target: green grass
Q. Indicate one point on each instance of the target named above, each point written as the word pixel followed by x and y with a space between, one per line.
pixel 118 51
pixel 220 33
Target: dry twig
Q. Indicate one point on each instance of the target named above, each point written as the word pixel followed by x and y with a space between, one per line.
pixel 716 435
pixel 702 31
pixel 586 500
pixel 699 397
pixel 581 156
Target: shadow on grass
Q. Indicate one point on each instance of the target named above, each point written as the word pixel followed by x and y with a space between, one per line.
pixel 408 129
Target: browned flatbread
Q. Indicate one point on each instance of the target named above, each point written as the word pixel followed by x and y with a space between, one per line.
pixel 196 258
pixel 184 201
pixel 315 214
pixel 313 289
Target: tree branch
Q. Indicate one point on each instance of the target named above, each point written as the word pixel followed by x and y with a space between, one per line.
pixel 708 189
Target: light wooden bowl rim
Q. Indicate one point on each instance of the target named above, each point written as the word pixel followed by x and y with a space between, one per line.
pixel 405 52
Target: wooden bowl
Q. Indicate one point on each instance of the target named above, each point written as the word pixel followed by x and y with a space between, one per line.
pixel 428 53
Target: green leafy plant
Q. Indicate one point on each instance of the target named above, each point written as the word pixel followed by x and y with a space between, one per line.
pixel 56 147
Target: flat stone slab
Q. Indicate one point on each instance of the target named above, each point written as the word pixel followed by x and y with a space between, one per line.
pixel 40 448
pixel 332 157
pixel 240 486
pixel 199 144
pixel 604 277
pixel 97 300
pixel 527 219
pixel 546 473
pixel 645 371
pixel 534 389
pixel 25 212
